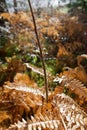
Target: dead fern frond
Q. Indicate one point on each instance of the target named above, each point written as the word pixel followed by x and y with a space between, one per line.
pixel 43 123
pixel 36 124
pixel 25 89
pixel 74 86
pixel 22 101
pixel 73 117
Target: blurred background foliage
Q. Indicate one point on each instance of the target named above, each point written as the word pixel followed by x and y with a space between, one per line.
pixel 62 29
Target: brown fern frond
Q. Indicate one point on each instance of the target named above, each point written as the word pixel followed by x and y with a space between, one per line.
pixel 25 89
pixel 20 125
pixel 38 123
pixel 23 83
pixel 72 116
pixel 43 122
pixel 74 86
pixel 22 101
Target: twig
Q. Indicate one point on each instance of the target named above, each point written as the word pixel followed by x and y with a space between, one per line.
pixel 39 45
pixel 63 121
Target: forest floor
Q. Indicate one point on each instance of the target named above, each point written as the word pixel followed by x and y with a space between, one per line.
pixel 23 102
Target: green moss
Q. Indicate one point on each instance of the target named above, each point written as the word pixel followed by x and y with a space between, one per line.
pixel 11 49
pixel 37 78
pixel 73 95
pixel 66 90
pixel 51 66
pixel 3 41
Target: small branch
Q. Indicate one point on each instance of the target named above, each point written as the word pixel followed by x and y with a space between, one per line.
pixel 39 45
pixel 63 122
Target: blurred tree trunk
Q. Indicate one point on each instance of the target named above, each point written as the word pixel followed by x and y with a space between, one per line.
pixel 70 2
pixel 49 3
pixel 3 6
pixel 15 6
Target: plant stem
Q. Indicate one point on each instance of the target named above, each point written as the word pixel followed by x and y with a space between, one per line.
pixel 39 45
